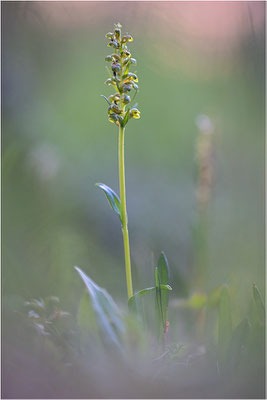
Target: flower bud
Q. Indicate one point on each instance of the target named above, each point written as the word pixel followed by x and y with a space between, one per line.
pixel 109 35
pixel 135 113
pixel 113 43
pixel 126 53
pixel 133 61
pixel 126 99
pixel 127 88
pixel 114 97
pixel 116 67
pixel 126 61
pixel 133 77
pixel 127 38
pixel 110 81
pixel 135 86
pixel 115 57
pixel 113 108
pixel 117 32
pixel 114 118
pixel 108 58
pixel 130 78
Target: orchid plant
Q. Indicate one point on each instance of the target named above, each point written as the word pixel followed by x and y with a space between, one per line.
pixel 120 111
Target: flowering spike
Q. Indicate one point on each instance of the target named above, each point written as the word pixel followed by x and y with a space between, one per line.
pixel 120 78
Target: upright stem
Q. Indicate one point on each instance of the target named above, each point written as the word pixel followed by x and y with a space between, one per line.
pixel 124 220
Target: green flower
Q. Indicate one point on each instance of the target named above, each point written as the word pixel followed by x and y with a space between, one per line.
pixel 134 113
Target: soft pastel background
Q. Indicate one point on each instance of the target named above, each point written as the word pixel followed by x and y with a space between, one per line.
pixel 192 58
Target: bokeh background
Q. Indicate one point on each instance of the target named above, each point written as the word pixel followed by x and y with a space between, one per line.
pixel 193 59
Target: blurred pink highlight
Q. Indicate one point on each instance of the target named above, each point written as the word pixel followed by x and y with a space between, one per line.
pixel 221 21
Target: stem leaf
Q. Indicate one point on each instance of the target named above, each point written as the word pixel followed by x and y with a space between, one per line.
pixel 112 197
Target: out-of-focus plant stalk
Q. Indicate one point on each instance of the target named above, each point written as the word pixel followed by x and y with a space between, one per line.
pixel 205 167
pixel 205 172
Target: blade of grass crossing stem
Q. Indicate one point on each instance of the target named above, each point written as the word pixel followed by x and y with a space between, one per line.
pixel 260 309
pixel 133 301
pixel 224 324
pixel 109 321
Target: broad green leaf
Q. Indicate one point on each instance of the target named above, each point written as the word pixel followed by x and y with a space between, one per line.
pixel 109 320
pixel 260 309
pixel 224 322
pixel 161 301
pixel 113 199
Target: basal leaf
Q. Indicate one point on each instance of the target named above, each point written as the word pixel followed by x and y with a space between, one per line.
pixel 113 199
pixel 109 320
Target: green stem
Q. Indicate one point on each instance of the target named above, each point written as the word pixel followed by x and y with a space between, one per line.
pixel 124 221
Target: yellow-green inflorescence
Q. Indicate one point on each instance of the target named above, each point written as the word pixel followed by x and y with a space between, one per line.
pixel 123 81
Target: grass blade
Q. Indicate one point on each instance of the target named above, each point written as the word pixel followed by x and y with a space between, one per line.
pixel 133 301
pixel 109 321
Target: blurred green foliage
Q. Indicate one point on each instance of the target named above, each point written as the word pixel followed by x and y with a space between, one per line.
pixel 57 142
